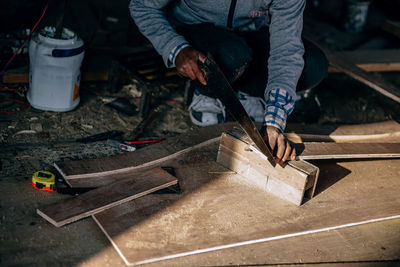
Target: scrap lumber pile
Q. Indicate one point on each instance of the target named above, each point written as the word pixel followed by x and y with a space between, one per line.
pixel 230 197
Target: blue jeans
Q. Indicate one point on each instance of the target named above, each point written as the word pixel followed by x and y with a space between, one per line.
pixel 243 57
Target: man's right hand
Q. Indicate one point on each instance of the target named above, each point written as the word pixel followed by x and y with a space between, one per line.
pixel 186 64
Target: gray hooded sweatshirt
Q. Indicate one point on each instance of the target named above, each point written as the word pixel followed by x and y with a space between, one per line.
pixel 284 18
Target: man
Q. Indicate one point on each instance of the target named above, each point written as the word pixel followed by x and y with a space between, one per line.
pixel 257 44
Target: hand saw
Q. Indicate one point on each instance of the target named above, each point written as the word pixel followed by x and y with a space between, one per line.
pixel 224 92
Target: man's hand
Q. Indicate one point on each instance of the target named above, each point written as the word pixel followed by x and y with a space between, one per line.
pixel 186 64
pixel 278 143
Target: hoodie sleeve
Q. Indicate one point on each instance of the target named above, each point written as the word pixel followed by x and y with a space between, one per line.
pixel 286 62
pixel 149 16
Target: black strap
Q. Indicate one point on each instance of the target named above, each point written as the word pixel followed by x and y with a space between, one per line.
pixel 231 12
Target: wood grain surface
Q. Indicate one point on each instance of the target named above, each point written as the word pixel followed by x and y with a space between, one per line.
pixel 318 150
pixel 375 81
pixel 105 197
pixel 151 156
pixel 144 158
pixel 331 150
pixel 380 60
pixel 220 211
pixel 292 182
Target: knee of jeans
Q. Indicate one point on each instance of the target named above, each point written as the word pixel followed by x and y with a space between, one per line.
pixel 234 60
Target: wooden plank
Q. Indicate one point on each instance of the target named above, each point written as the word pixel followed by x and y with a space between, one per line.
pixel 289 183
pixel 218 211
pixel 376 128
pixel 314 151
pixel 299 138
pixel 142 159
pixel 375 81
pixel 106 197
pixel 319 150
pixel 372 60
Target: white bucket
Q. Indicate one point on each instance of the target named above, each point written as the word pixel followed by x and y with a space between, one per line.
pixel 54 70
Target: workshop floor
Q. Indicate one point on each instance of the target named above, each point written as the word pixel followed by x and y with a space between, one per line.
pixel 32 140
pixel 27 239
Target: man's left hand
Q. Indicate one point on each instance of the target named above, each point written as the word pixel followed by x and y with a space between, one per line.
pixel 278 143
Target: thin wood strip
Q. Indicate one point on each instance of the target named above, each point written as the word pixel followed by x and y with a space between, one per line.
pixel 316 150
pixel 106 197
pixel 143 158
pixel 349 129
pixel 340 138
pixel 320 151
pixel 375 81
pixel 146 165
pixel 377 67
pixel 349 150
pixel 380 60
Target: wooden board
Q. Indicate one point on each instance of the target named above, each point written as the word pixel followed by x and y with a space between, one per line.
pixel 379 60
pixel 372 245
pixel 385 127
pixel 218 211
pixel 293 183
pixel 300 138
pixel 102 198
pixel 313 151
pixel 375 81
pixel 320 150
pixel 124 164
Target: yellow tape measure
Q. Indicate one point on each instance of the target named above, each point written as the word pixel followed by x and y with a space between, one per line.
pixel 44 180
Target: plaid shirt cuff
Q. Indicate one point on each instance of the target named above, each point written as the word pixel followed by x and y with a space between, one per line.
pixel 280 104
pixel 175 52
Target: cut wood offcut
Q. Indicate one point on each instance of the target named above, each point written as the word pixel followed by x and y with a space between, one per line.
pixel 293 182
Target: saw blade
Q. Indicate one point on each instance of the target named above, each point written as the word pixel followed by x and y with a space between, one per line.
pixel 224 92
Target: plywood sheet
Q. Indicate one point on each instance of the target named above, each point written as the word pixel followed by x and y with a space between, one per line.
pixel 219 211
pixel 372 245
pixel 102 198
